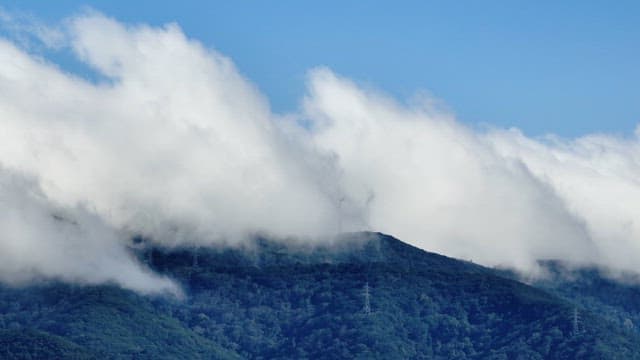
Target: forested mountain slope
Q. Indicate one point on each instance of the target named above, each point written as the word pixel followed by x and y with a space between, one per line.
pixel 366 296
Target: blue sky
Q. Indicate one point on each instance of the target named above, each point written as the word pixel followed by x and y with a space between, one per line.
pixel 569 68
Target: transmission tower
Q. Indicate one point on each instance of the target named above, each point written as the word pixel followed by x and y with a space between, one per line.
pixel 575 321
pixel 367 300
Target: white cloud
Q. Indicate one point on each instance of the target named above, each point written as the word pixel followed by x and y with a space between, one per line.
pixel 597 177
pixel 177 145
pixel 42 241
pixel 177 140
pixel 441 186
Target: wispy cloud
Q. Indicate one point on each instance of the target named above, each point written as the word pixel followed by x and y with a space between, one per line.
pixel 29 31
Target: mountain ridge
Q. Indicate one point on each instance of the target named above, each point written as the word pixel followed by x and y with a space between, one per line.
pixel 282 300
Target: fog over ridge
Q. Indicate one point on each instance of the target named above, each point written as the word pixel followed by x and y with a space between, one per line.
pixel 174 143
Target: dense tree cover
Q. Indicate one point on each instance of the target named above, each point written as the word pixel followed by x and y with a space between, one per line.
pixel 106 321
pixel 271 300
pixel 614 296
pixel 31 344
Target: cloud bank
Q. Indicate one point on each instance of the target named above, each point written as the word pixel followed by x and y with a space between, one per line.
pixel 43 241
pixel 173 143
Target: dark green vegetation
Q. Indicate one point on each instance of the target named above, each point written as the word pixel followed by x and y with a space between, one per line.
pixel 30 344
pixel 273 301
pixel 594 289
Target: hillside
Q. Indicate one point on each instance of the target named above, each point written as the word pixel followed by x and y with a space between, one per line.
pixel 614 296
pixel 271 300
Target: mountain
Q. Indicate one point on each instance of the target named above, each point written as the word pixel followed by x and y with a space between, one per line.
pixel 31 344
pixel 614 296
pixel 367 295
